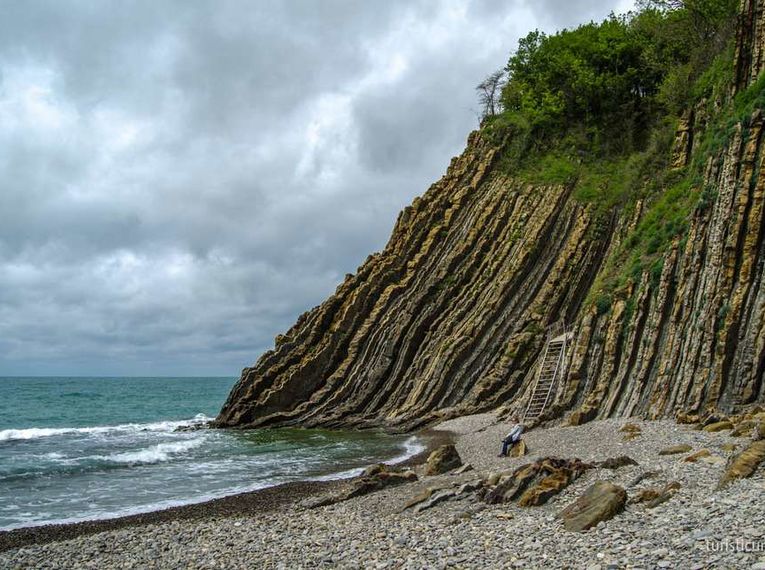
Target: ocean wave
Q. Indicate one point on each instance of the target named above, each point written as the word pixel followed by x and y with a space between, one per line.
pixel 412 447
pixel 156 453
pixel 36 433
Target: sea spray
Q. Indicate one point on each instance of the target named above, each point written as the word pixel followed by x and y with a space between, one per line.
pixel 124 448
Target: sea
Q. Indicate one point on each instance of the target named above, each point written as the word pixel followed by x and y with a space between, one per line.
pixel 74 449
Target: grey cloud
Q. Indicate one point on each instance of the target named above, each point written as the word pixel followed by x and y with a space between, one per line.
pixel 555 14
pixel 179 180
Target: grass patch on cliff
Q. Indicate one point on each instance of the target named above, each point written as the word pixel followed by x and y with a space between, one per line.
pixel 663 221
pixel 677 195
pixel 596 109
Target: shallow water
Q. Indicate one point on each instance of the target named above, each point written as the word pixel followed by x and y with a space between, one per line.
pixel 84 448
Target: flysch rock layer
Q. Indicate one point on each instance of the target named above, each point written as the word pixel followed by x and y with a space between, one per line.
pixel 450 317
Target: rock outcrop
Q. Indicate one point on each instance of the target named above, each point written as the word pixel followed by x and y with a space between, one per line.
pixel 675 449
pixel 600 502
pixel 442 460
pixel 535 483
pixel 374 478
pixel 655 496
pixel 745 463
pixel 450 317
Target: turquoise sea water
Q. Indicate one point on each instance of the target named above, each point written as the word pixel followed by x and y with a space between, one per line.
pixel 85 448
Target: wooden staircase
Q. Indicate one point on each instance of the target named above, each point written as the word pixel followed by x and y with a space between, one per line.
pixel 551 367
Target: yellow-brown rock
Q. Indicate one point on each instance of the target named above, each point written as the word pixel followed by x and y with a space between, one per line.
pixel 745 463
pixel 655 496
pixel 450 317
pixel 675 449
pixel 600 502
pixel 758 432
pixel 686 418
pixel 534 483
pixel 519 449
pixel 698 455
pixel 718 426
pixel 743 429
pixel 443 459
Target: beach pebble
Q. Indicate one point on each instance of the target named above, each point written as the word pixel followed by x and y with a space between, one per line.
pixel 696 528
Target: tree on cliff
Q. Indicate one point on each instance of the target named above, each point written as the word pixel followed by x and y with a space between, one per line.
pixel 599 89
pixel 489 91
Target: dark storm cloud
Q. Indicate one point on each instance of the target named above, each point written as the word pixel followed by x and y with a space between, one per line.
pixel 179 180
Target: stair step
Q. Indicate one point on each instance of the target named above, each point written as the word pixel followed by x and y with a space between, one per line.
pixel 547 374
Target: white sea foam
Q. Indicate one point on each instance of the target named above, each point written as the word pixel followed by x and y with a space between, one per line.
pixel 412 446
pixel 36 433
pixel 156 453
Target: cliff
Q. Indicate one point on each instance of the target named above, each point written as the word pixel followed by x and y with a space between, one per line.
pixel 450 317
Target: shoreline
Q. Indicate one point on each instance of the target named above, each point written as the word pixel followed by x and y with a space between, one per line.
pixel 697 527
pixel 277 497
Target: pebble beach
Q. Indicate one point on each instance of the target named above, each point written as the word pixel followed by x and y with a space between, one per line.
pixel 701 526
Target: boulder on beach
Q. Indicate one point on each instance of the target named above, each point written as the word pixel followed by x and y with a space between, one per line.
pixel 442 460
pixel 745 463
pixel 694 457
pixel 718 426
pixel 435 495
pixel 687 418
pixel 616 462
pixel 759 431
pixel 374 478
pixel 534 483
pixel 631 431
pixel 675 449
pixel 600 502
pixel 655 496
pixel 519 449
pixel 743 429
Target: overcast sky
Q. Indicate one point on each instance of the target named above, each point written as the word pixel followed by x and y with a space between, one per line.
pixel 180 180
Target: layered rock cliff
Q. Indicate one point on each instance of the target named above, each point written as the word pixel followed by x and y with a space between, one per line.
pixel 450 317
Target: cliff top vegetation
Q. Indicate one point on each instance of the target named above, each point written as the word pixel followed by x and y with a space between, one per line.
pixel 597 107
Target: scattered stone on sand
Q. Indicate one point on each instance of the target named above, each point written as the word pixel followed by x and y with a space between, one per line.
pixel 759 431
pixel 630 428
pixel 519 449
pixel 743 429
pixel 675 449
pixel 600 502
pixel 694 457
pixel 534 483
pixel 745 463
pixel 463 469
pixel 374 478
pixel 435 495
pixel 442 460
pixel 718 426
pixel 712 417
pixel 631 431
pixel 372 531
pixel 642 477
pixel 421 497
pixel 687 418
pixel 616 462
pixel 655 496
pixel 713 460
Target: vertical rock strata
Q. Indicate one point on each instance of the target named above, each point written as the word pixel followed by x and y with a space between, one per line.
pixel 449 318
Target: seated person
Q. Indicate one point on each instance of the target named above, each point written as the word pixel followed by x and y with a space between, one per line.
pixel 512 438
